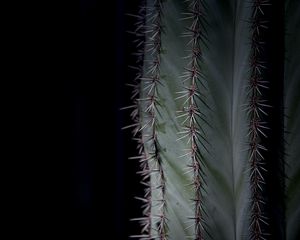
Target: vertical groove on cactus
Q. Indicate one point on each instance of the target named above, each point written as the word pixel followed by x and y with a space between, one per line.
pixel 150 87
pixel 292 118
pixel 257 126
pixel 192 131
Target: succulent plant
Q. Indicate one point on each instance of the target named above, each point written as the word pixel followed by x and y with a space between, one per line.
pixel 216 117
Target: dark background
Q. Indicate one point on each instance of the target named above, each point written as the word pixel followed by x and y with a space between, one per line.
pixel 103 179
pixel 68 172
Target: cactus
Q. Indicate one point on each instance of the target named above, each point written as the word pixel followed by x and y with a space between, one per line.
pixel 216 117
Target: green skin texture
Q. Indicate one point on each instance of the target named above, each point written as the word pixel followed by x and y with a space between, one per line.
pixel 225 64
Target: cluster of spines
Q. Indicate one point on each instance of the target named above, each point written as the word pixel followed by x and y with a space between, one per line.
pixel 257 112
pixel 154 222
pixel 191 113
pixel 151 82
pixel 136 113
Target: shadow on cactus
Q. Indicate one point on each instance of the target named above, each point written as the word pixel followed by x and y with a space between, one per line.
pixel 216 117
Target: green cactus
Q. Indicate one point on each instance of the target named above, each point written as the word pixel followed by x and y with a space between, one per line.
pixel 216 116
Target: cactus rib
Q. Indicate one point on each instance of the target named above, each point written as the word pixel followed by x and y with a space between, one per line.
pixel 152 78
pixel 256 110
pixel 191 112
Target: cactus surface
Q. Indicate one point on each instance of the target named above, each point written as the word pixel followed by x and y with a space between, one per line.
pixel 216 118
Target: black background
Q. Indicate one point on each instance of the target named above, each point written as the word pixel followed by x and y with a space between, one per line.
pixel 101 170
pixel 68 172
pixel 103 182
